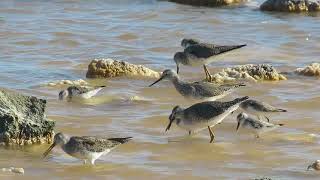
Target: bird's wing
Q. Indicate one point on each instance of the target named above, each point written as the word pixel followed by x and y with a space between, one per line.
pixel 209 89
pixel 204 110
pixel 208 50
pixel 79 89
pixel 92 143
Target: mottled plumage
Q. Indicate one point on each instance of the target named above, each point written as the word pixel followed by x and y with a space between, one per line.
pixel 196 54
pixel 203 115
pixel 84 92
pixel 315 166
pixel 256 126
pixel 198 90
pixel 259 108
pixel 86 147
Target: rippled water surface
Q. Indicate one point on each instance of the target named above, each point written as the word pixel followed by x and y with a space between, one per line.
pixel 43 41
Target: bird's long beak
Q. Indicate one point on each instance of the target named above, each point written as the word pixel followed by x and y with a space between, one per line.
pixel 171 118
pixel 177 69
pixel 156 81
pixel 45 154
pixel 238 125
pixel 310 166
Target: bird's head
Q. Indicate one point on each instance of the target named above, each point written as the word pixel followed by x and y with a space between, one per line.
pixel 59 140
pixel 240 119
pixel 176 115
pixel 166 74
pixel 63 94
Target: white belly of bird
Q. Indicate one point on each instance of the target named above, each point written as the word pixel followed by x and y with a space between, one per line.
pixel 88 155
pixel 196 127
pixel 89 94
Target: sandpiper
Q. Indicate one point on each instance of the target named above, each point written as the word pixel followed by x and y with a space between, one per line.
pixel 260 109
pixel 203 115
pixel 196 54
pixel 198 90
pixel 315 165
pixel 85 147
pixel 84 92
pixel 256 126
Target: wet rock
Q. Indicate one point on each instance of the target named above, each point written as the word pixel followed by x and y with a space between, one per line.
pixel 79 82
pixel 248 72
pixel 23 120
pixel 14 170
pixel 290 5
pixel 310 70
pixel 107 68
pixel 210 3
pixel 314 166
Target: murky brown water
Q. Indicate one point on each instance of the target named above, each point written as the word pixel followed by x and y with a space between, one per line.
pixel 42 41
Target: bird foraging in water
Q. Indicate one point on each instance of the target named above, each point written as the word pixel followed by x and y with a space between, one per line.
pixel 255 126
pixel 198 90
pixel 86 148
pixel 315 166
pixel 203 115
pixel 260 109
pixel 196 54
pixel 83 92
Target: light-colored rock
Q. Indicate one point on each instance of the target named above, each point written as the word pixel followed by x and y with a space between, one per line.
pixel 248 72
pixel 107 68
pixel 210 3
pixel 310 70
pixel 290 5
pixel 79 82
pixel 14 170
pixel 23 120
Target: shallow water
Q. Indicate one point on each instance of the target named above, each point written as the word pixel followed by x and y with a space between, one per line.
pixel 43 41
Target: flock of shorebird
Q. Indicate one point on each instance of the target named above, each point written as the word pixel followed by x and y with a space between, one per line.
pixel 199 116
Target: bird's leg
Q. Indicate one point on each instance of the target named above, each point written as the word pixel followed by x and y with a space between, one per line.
pixel 92 161
pixel 84 161
pixel 211 134
pixel 208 75
pixel 190 133
pixel 267 118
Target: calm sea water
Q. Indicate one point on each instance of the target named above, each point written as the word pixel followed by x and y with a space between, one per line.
pixel 43 41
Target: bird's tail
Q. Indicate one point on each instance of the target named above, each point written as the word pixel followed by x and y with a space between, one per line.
pixel 242 45
pixel 281 124
pixel 121 140
pixel 100 86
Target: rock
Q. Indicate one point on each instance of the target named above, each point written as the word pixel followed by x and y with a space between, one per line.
pixel 290 5
pixel 315 165
pixel 14 170
pixel 310 70
pixel 23 120
pixel 79 82
pixel 210 3
pixel 107 68
pixel 248 72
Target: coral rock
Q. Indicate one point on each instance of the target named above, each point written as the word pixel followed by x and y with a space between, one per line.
pixel 290 5
pixel 310 70
pixel 107 68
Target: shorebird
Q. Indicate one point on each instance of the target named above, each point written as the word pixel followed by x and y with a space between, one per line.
pixel 315 165
pixel 197 54
pixel 256 126
pixel 198 90
pixel 260 109
pixel 203 115
pixel 79 91
pixel 85 147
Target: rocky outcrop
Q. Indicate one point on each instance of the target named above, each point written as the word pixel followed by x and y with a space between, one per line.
pixel 79 82
pixel 23 120
pixel 310 70
pixel 290 5
pixel 210 3
pixel 107 68
pixel 248 72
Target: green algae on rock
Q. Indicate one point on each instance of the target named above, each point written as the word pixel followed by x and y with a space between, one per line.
pixel 209 3
pixel 248 72
pixel 23 120
pixel 310 70
pixel 290 5
pixel 107 68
